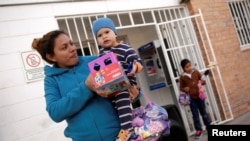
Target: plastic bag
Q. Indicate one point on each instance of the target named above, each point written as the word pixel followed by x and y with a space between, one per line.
pixel 184 99
pixel 150 122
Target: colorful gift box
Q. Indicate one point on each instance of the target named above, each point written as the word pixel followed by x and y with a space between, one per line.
pixel 108 75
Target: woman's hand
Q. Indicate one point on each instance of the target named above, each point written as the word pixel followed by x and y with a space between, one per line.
pixel 102 93
pixel 90 84
pixel 133 92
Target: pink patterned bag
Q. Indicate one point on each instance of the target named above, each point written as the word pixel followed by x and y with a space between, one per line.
pixel 202 94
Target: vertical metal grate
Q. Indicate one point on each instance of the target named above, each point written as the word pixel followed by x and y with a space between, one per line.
pixel 240 12
pixel 79 26
pixel 185 42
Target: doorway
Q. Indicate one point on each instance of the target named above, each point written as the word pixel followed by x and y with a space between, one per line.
pixel 179 36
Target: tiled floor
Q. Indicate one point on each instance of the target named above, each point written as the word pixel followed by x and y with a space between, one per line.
pixel 242 120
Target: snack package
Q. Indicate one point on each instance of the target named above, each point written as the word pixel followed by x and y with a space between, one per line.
pixel 108 74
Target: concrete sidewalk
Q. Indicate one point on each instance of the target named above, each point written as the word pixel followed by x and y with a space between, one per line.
pixel 242 120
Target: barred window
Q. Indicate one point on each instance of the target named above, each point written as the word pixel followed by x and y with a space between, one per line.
pixel 240 12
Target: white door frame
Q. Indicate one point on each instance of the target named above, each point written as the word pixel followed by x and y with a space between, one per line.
pixel 182 46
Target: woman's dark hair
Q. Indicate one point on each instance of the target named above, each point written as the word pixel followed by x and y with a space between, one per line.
pixel 184 62
pixel 45 45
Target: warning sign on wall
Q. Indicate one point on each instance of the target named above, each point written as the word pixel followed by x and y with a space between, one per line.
pixel 33 65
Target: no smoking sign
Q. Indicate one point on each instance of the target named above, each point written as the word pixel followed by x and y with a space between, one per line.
pixel 33 65
pixel 32 60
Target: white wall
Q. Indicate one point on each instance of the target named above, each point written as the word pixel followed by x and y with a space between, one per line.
pixel 22 105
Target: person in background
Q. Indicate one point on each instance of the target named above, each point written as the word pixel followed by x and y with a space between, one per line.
pixel 105 32
pixel 189 84
pixel 70 94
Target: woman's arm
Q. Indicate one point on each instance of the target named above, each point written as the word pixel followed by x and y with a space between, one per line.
pixel 90 84
pixel 61 107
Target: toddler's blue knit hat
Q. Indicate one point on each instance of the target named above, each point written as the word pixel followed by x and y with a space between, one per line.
pixel 103 23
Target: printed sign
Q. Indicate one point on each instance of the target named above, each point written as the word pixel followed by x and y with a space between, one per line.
pixel 33 65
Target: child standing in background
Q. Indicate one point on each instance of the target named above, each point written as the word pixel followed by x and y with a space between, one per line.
pixel 189 84
pixel 105 32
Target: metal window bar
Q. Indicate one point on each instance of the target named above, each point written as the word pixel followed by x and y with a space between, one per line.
pixel 240 19
pixel 215 117
pixel 69 32
pixel 78 35
pixel 245 5
pixel 175 53
pixel 172 47
pixel 208 87
pixel 220 77
pixel 186 37
pixel 175 42
pixel 84 38
pixel 178 34
pixel 239 10
pixel 172 51
pixel 233 12
pixel 143 19
pixel 171 42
